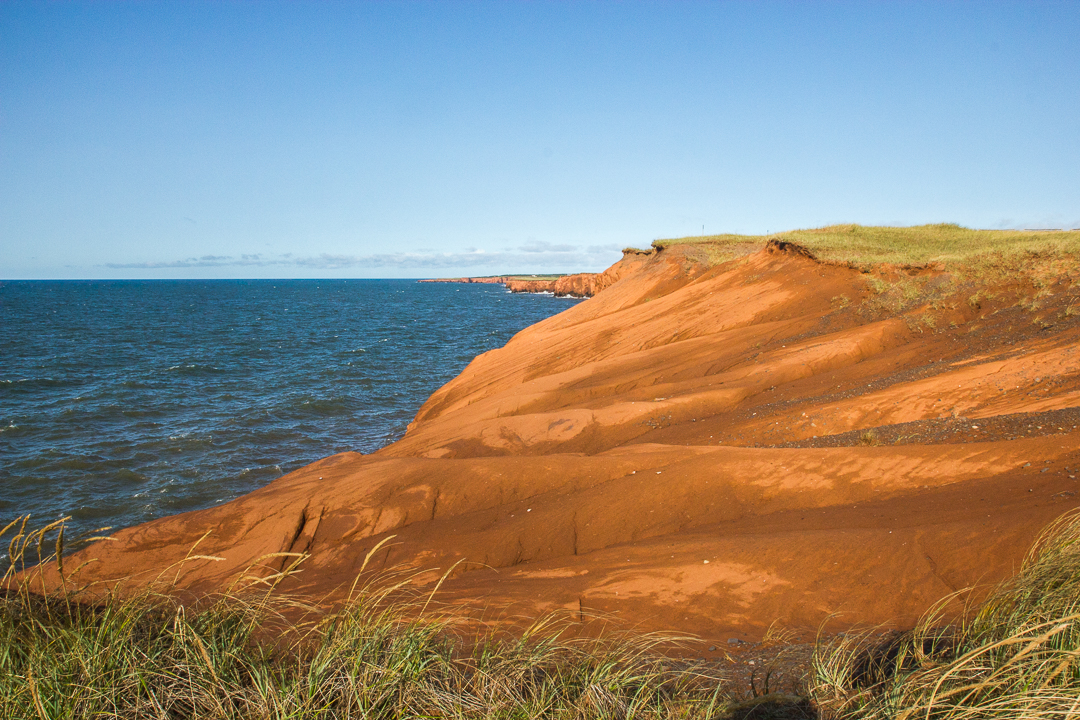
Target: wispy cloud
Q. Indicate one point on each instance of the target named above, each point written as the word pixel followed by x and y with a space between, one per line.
pixel 530 254
pixel 538 246
pixel 204 261
pixel 1044 224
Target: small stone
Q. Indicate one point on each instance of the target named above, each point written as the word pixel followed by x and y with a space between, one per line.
pixel 712 648
pixel 733 641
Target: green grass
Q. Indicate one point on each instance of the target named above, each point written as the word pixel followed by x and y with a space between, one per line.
pixel 908 246
pixel 1016 656
pixel 256 653
pixel 924 273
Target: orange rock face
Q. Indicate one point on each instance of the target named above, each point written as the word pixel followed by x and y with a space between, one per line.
pixel 694 448
pixel 581 284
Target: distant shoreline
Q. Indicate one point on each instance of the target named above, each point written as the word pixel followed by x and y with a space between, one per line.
pixel 578 285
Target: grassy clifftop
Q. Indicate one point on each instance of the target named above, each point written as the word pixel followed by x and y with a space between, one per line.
pixel 857 245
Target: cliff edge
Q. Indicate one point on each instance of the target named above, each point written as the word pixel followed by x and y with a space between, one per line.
pixel 730 432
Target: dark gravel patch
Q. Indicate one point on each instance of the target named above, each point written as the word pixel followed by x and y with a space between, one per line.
pixel 945 431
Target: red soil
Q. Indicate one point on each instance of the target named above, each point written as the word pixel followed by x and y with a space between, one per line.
pixel 688 450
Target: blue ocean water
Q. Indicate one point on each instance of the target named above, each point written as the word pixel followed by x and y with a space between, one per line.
pixel 124 401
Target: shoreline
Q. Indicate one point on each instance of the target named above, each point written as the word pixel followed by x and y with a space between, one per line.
pixel 577 285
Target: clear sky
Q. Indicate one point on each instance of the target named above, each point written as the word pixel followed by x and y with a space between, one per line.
pixel 421 139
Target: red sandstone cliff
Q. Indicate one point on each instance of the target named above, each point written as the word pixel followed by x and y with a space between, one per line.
pixel 581 284
pixel 493 280
pixel 577 285
pixel 700 448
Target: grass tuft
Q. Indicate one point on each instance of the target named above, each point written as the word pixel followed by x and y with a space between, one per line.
pixel 257 653
pixel 1016 656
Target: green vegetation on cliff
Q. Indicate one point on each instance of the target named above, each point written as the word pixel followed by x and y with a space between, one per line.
pixel 921 245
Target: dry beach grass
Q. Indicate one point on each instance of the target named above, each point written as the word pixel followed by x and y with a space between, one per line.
pixel 254 652
pixel 257 653
pixel 863 246
pixel 1017 655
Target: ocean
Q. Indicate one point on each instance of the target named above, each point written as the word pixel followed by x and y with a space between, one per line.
pixel 125 401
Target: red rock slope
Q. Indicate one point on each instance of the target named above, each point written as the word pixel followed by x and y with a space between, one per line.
pixel 703 449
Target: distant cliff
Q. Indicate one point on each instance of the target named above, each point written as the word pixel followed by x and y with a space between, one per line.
pixel 577 285
pixel 493 280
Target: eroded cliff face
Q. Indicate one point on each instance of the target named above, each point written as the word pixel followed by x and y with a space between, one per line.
pixel 581 285
pixel 705 449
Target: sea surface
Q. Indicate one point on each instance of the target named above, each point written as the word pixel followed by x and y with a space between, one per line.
pixel 124 401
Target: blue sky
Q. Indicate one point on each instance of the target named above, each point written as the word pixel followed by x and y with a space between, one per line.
pixel 421 139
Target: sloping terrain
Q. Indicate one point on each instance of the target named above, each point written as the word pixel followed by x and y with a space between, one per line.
pixel 725 436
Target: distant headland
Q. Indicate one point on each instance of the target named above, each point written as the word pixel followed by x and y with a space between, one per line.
pixel 575 285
